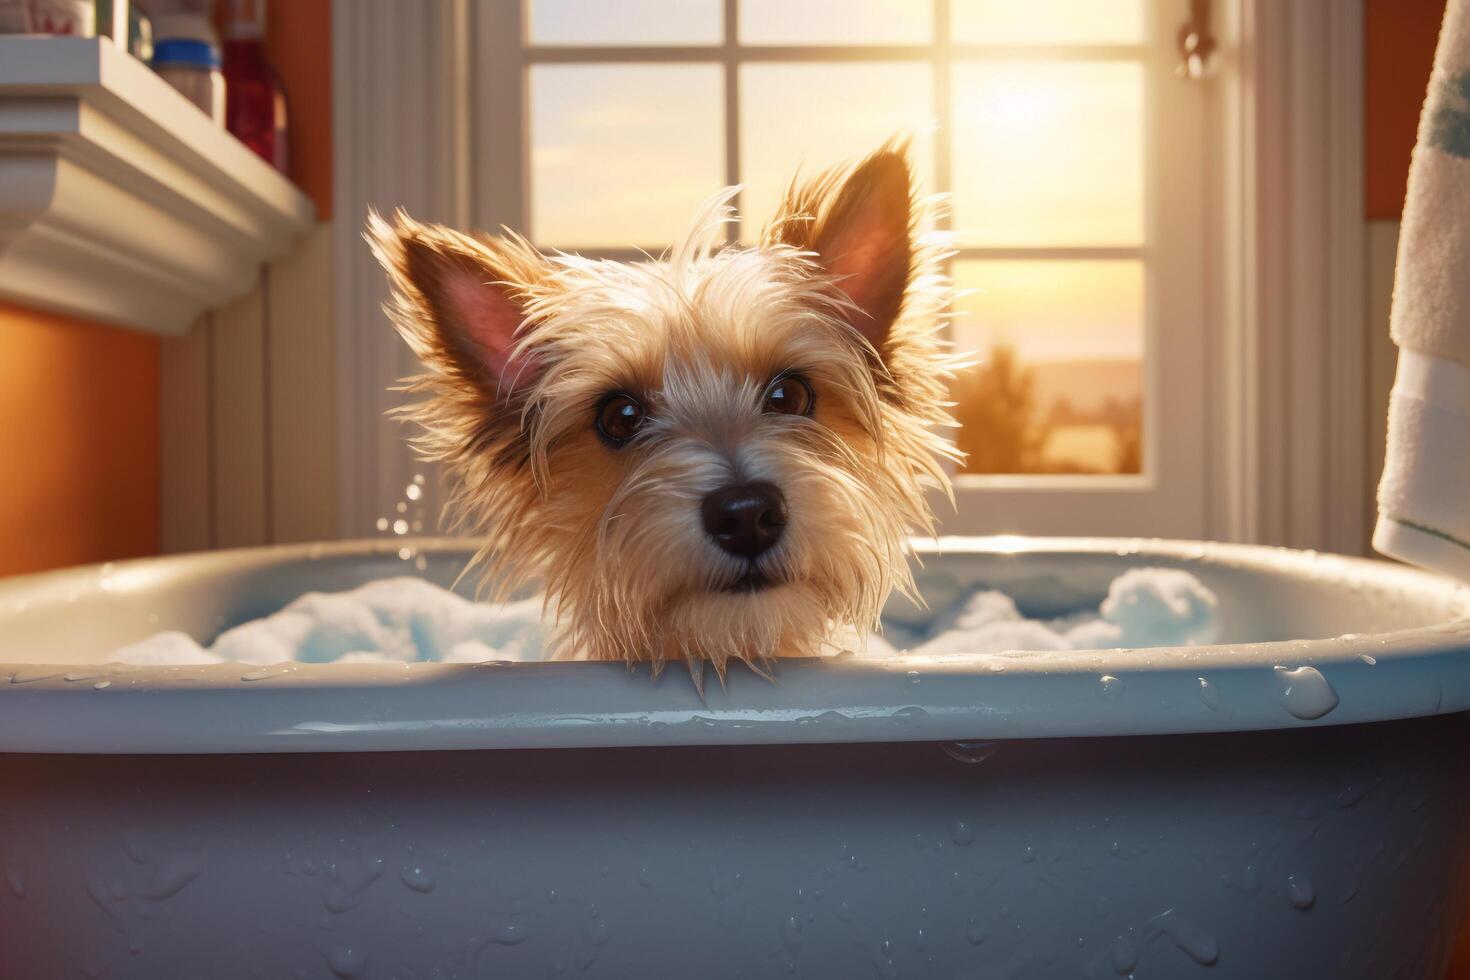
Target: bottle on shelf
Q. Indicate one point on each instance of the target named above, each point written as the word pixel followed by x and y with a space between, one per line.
pixel 186 54
pixel 255 101
pixel 74 17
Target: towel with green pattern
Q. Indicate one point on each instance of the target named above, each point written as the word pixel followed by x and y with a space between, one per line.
pixel 1424 496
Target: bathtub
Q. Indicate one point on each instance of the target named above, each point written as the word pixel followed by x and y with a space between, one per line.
pixel 1290 804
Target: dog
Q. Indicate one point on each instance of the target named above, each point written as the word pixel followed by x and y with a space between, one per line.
pixel 715 455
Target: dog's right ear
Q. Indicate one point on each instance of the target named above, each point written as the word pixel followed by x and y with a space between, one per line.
pixel 461 301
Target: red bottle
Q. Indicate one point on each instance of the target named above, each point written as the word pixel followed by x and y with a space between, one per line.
pixel 255 102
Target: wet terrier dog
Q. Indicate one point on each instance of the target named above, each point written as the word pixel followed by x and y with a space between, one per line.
pixel 715 455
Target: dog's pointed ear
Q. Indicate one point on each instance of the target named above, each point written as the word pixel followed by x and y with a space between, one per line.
pixel 460 301
pixel 859 223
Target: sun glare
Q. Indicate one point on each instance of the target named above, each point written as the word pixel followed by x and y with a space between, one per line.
pixel 1044 152
pixel 1016 108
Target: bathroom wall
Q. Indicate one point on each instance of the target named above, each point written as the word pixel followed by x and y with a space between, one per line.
pixel 119 444
pixel 249 434
pixel 79 447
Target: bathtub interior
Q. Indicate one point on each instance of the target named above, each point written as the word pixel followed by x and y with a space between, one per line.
pixel 79 616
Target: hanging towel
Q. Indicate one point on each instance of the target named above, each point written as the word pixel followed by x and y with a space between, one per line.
pixel 1424 497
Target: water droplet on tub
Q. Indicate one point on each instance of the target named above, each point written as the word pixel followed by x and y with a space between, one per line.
pixel 1368 659
pixel 404 554
pixel 1125 956
pixel 962 833
pixel 80 676
pixel 347 961
pixel 970 752
pixel 1028 855
pixel 101 685
pixel 1248 881
pixel 644 878
pixel 551 896
pixel 1209 694
pixel 349 878
pixel 920 943
pixel 913 676
pixel 976 932
pixel 1350 795
pixel 418 879
pixel 723 885
pixel 1299 891
pixel 843 912
pixel 29 676
pixel 1197 944
pixel 266 673
pixel 1305 692
pixel 791 934
pixel 170 874
pixel 508 934
pixel 1109 688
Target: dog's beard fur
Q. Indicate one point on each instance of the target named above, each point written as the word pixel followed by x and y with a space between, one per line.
pixel 521 349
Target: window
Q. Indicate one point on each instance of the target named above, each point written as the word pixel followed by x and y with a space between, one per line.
pixel 1070 154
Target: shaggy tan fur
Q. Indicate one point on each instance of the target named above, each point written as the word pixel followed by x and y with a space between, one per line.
pixel 520 349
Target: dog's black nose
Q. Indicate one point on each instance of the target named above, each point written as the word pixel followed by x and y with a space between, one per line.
pixel 745 520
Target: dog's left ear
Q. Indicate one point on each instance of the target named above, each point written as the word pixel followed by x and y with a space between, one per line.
pixel 859 224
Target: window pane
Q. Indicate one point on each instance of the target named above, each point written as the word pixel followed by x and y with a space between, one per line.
pixel 1047 21
pixel 644 22
pixel 1048 154
pixel 842 112
pixel 836 22
pixel 623 154
pixel 1060 385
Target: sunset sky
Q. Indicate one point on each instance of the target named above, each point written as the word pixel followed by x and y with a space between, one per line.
pixel 1044 153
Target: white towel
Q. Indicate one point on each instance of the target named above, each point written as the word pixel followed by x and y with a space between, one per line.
pixel 1424 497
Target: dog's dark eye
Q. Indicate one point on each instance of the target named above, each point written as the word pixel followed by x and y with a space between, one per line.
pixel 619 418
pixel 790 394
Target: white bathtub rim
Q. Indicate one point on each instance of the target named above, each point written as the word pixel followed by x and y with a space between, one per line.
pixel 431 706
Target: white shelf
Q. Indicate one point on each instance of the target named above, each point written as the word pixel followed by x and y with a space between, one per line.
pixel 119 200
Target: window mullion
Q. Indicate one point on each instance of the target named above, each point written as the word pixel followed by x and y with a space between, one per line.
pixel 731 57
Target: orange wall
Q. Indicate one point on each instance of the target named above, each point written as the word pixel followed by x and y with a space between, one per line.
pixel 299 40
pixel 78 442
pixel 1399 36
pixel 79 451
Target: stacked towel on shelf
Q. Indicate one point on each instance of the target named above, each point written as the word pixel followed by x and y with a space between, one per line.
pixel 1424 496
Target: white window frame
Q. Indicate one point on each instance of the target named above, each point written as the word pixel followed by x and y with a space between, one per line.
pixel 1245 236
